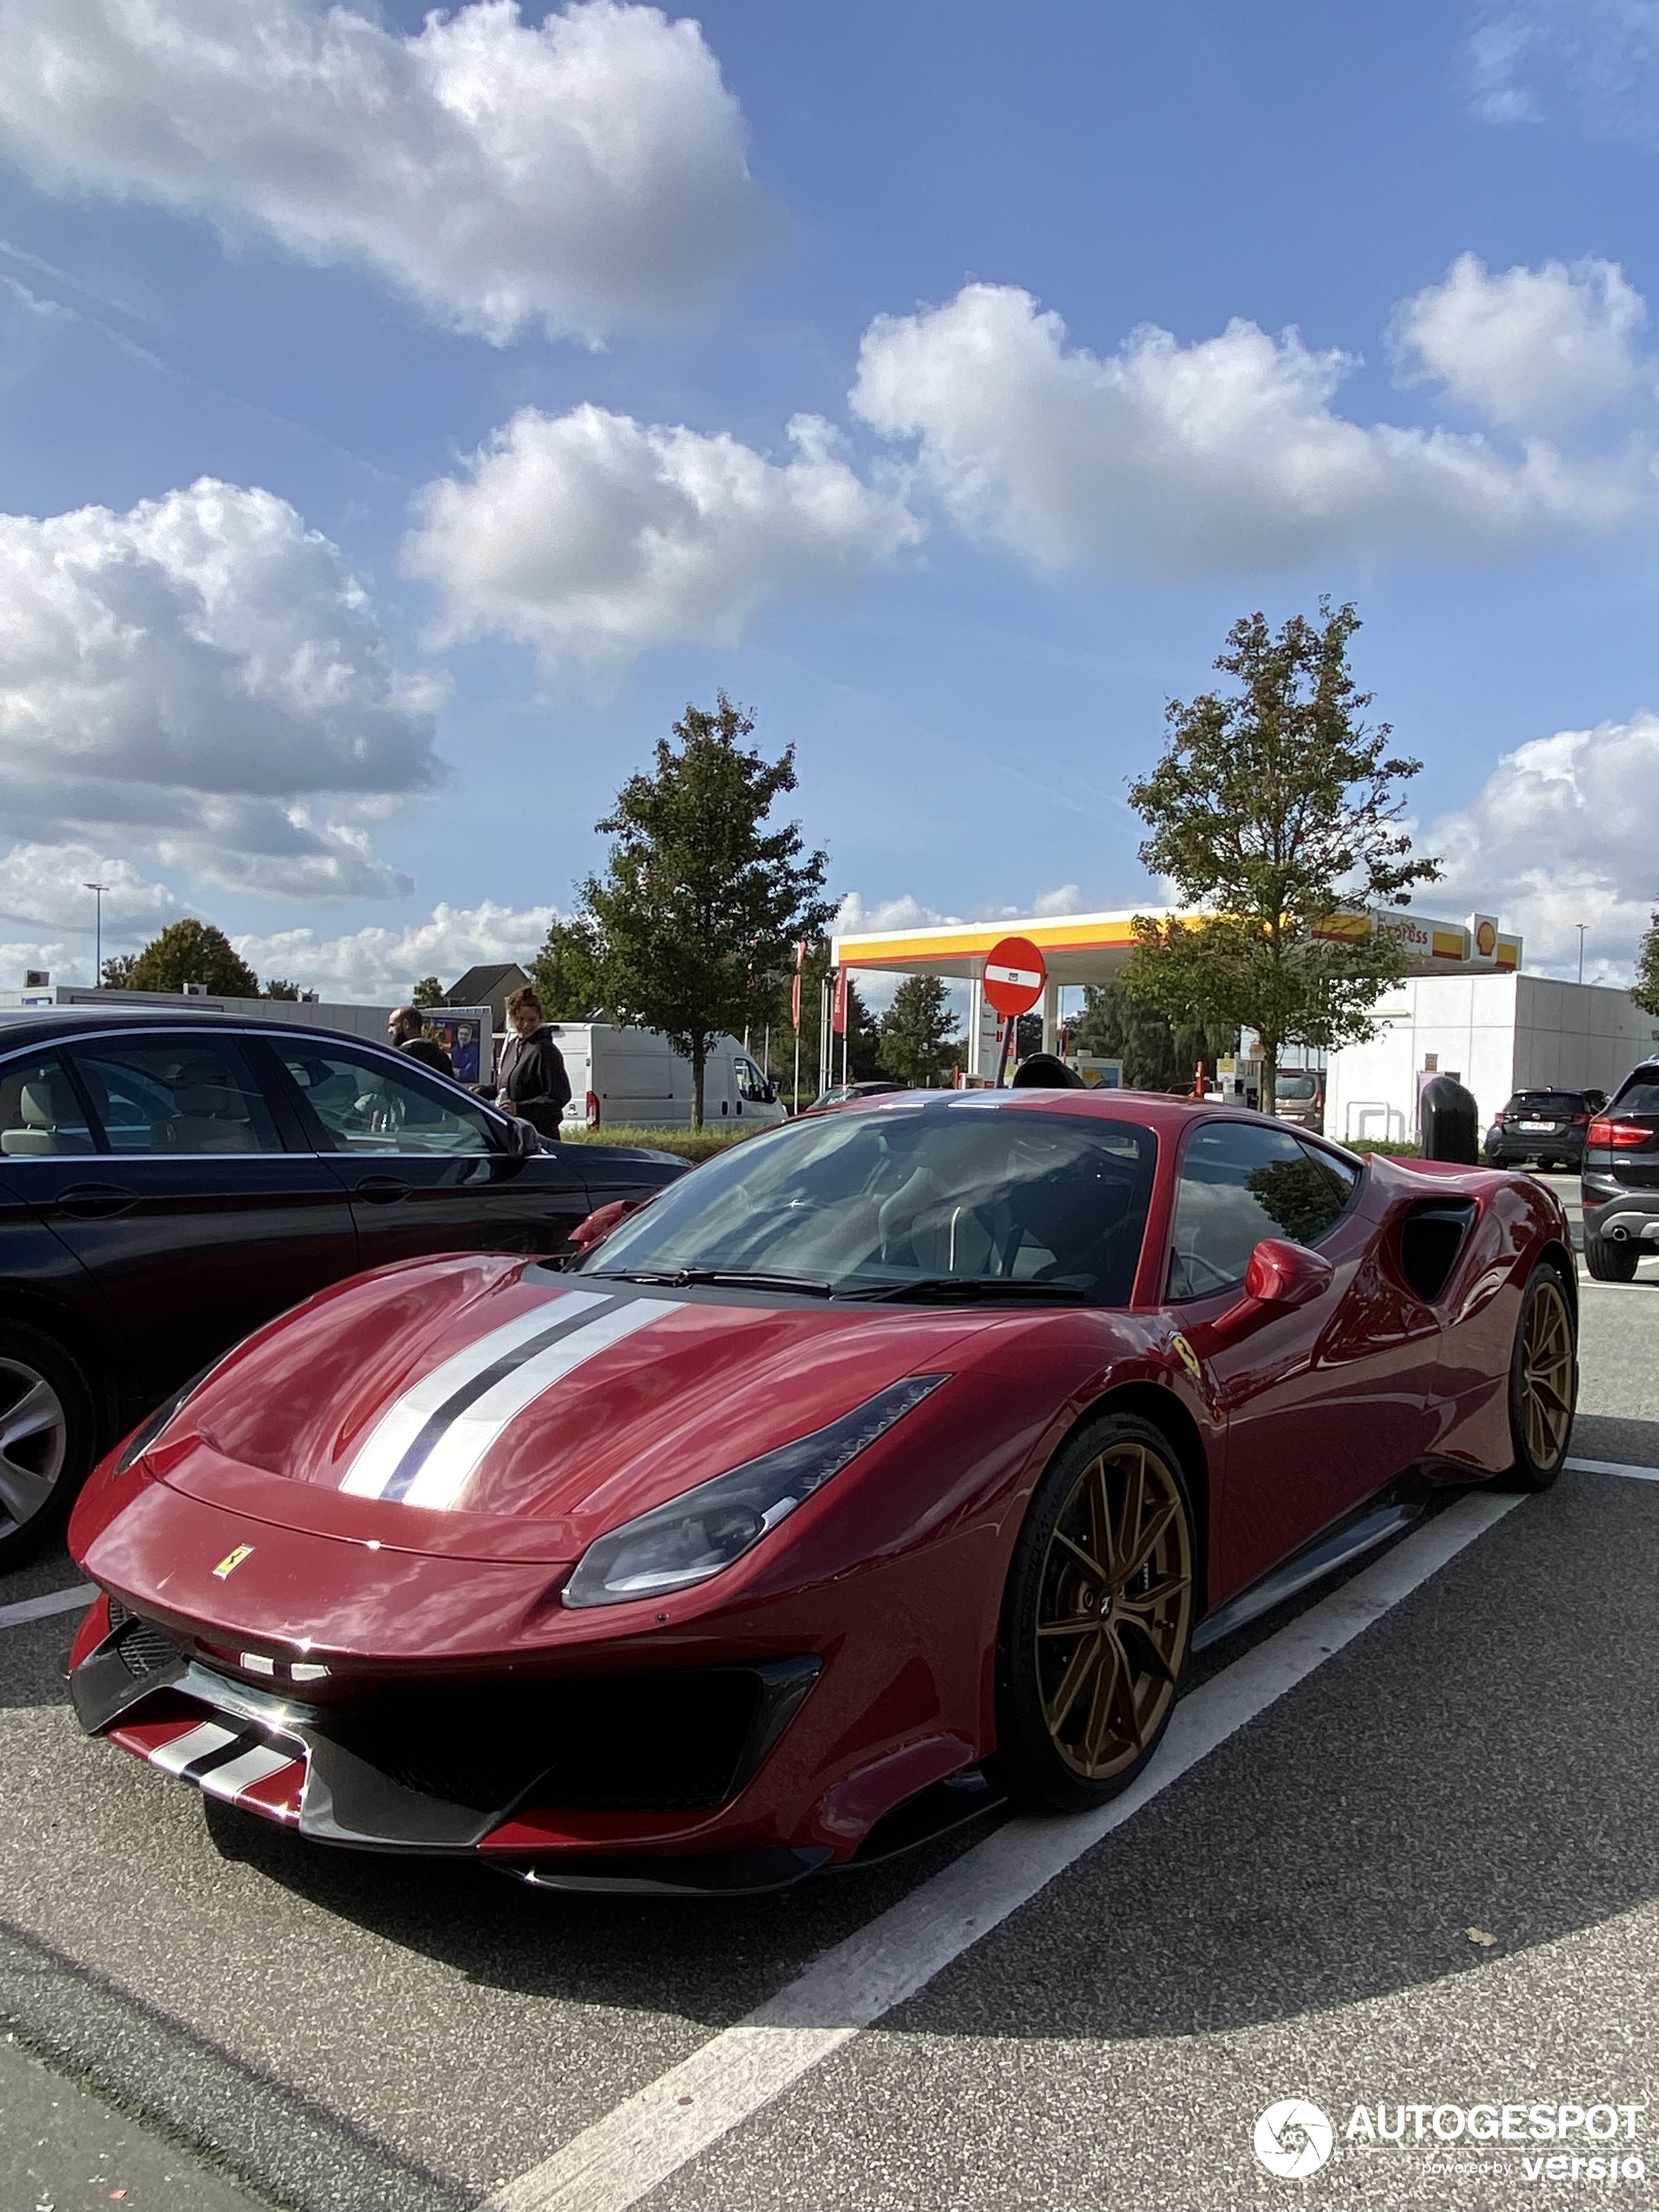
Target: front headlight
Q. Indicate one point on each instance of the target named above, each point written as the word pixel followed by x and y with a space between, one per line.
pixel 694 1536
pixel 151 1427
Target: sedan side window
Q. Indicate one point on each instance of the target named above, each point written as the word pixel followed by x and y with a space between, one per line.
pixel 40 1115
pixel 1239 1184
pixel 371 1105
pixel 187 1094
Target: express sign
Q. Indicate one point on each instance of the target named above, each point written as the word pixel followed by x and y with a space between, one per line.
pixel 1014 976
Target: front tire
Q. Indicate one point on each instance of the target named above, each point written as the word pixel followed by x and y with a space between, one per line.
pixel 1097 1618
pixel 46 1433
pixel 1543 1381
pixel 1611 1263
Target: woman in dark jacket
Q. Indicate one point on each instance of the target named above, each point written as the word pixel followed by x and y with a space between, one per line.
pixel 530 1079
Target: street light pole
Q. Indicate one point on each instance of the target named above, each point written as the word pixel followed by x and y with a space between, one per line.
pixel 98 932
pixel 1580 926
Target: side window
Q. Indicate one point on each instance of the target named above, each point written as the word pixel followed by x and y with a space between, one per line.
pixel 40 1115
pixel 183 1094
pixel 751 1084
pixel 1239 1184
pixel 371 1105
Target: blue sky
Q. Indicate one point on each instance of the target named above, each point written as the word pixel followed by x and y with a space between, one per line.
pixel 489 340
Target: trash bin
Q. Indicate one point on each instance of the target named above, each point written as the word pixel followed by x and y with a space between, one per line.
pixel 1448 1121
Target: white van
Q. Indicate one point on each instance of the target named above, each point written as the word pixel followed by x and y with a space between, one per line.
pixel 634 1078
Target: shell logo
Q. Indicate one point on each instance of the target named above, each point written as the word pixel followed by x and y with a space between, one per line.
pixel 1486 938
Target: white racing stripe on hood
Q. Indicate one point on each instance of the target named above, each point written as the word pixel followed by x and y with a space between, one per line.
pixel 403 1421
pixel 450 1464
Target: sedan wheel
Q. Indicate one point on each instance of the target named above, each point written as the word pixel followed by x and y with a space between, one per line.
pixel 45 1438
pixel 1097 1618
pixel 1543 1382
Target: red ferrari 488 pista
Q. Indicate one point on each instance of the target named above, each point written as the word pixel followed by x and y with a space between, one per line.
pixel 895 1460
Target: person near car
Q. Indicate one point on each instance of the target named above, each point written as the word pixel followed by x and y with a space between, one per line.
pixel 530 1079
pixel 407 1031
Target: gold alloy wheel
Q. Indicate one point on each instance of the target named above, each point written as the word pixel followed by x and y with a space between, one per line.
pixel 1547 1375
pixel 1114 1609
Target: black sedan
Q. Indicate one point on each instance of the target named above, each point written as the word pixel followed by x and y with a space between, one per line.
pixel 1545 1125
pixel 168 1183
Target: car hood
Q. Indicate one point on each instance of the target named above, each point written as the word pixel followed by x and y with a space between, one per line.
pixel 491 1408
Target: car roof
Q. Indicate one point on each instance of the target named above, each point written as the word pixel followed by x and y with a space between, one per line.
pixel 1153 1110
pixel 27 1025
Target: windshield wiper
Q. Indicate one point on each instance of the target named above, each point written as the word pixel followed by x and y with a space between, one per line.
pixel 734 1278
pixel 987 1288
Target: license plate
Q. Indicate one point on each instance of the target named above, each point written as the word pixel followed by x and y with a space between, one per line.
pixel 1536 1128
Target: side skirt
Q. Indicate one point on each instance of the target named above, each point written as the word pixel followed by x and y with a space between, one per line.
pixel 1360 1531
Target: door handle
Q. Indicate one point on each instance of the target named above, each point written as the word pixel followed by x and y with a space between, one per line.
pixel 381 1190
pixel 95 1201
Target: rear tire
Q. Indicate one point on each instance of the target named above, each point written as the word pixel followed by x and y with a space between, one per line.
pixel 46 1438
pixel 1611 1263
pixel 1097 1618
pixel 1543 1381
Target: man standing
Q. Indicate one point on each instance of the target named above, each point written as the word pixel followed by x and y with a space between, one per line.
pixel 404 1031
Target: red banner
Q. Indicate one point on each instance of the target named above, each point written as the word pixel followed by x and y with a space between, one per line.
pixel 838 1022
pixel 794 988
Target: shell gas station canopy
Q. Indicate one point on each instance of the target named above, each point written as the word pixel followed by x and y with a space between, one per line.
pixel 1081 949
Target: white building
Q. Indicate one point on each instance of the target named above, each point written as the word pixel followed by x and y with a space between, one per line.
pixel 1497 1034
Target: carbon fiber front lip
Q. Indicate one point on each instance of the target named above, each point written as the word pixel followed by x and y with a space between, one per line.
pixel 347 1800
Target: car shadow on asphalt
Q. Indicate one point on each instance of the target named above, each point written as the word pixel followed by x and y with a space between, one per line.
pixel 1477 1759
pixel 1627 1443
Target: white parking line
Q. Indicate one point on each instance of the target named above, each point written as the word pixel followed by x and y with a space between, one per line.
pixel 42 1608
pixel 650 2136
pixel 1613 1467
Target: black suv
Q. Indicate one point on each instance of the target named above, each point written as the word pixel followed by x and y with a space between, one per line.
pixel 168 1183
pixel 1546 1125
pixel 1621 1179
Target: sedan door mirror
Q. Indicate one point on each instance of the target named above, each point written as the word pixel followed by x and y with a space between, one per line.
pixel 527 1138
pixel 1281 1276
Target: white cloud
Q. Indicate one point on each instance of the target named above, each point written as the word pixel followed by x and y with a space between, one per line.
pixel 48 886
pixel 1534 347
pixel 1564 831
pixel 205 675
pixel 854 917
pixel 594 538
pixel 1066 898
pixel 1224 455
pixel 582 174
pixel 379 965
pixel 1596 60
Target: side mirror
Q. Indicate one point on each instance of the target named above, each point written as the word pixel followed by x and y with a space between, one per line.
pixel 1280 1277
pixel 527 1138
pixel 599 1224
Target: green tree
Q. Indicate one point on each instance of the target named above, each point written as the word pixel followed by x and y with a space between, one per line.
pixel 278 988
pixel 1275 807
pixel 1158 1053
pixel 569 972
pixel 118 971
pixel 1645 989
pixel 428 991
pixel 192 952
pixel 919 1032
pixel 701 902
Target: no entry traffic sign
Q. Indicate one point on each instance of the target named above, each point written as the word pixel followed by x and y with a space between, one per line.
pixel 1014 976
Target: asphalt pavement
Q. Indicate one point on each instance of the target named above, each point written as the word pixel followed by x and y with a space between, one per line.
pixel 1422 1876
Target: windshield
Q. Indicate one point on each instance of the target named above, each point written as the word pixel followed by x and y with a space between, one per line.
pixel 927 1197
pixel 1547 1102
pixel 1298 1086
